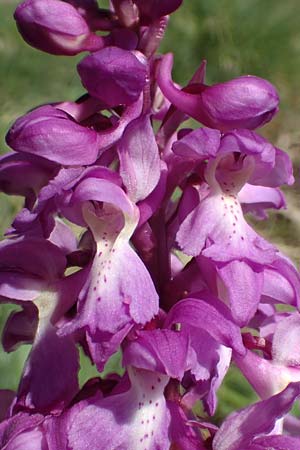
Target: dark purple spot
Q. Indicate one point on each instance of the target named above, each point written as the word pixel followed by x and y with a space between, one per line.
pixel 100 253
pixel 156 404
pixel 144 395
pixel 142 422
pixel 158 379
pixel 234 224
pixel 150 401
pixel 242 237
pixel 153 417
pixel 94 289
pixel 234 231
pixel 222 198
pixel 105 279
pixel 152 387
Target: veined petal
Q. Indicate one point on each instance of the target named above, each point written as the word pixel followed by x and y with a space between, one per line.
pixel 139 159
pixel 244 285
pixel 209 314
pixel 161 351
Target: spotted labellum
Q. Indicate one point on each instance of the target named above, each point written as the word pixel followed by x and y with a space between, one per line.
pixel 134 243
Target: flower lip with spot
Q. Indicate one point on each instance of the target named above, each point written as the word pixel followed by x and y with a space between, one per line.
pixel 233 159
pixel 135 300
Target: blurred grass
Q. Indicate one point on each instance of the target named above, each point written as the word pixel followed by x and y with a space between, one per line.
pixel 254 37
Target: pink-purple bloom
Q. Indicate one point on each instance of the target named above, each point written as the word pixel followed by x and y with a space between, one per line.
pixel 133 238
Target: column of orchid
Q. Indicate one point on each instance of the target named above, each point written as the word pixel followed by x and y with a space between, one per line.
pixel 165 267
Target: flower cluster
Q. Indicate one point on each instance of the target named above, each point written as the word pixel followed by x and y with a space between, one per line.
pixel 133 239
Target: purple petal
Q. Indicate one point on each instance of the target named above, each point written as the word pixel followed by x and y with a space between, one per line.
pixel 255 199
pixel 273 167
pixel 183 435
pixel 20 287
pixel 139 159
pixel 20 328
pixel 266 376
pixel 6 398
pixel 282 282
pixel 54 135
pixel 113 75
pixel 210 315
pixel 245 102
pixel 285 348
pixel 49 380
pixel 240 428
pixel 200 144
pixel 219 220
pixel 137 418
pixel 244 286
pixel 55 27
pixel 154 9
pixel 278 442
pixel 162 351
pixel 14 429
pixel 150 205
pixel 24 175
pixel 33 255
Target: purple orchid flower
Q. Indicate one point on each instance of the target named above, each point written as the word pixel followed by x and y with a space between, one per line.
pixel 112 300
pixel 163 265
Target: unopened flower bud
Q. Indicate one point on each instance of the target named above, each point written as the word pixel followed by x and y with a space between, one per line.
pixel 55 27
pixel 113 75
pixel 244 102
